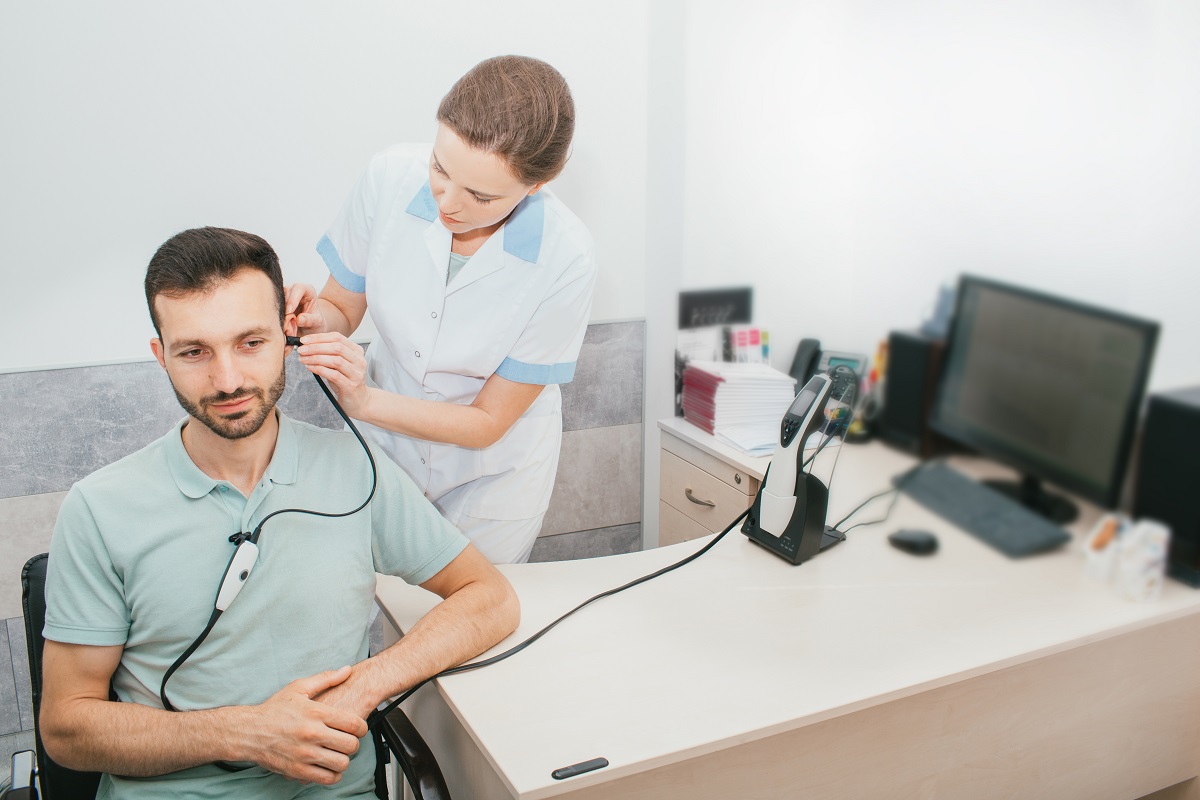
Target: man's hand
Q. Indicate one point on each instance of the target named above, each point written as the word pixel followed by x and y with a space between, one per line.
pixel 301 299
pixel 343 364
pixel 355 694
pixel 303 739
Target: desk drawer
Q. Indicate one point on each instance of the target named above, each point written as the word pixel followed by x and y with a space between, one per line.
pixel 722 470
pixel 674 527
pixel 714 503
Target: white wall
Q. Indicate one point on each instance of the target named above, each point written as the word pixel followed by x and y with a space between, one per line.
pixel 845 158
pixel 128 121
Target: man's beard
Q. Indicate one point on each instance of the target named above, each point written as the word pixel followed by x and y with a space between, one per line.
pixel 241 424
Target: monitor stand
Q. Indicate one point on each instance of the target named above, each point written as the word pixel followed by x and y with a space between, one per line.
pixel 1029 493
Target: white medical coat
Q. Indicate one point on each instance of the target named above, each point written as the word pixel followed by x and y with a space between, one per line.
pixel 519 309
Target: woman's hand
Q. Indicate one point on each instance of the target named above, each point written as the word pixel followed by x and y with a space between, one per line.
pixel 343 365
pixel 301 299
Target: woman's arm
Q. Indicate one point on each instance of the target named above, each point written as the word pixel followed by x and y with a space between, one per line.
pixel 500 403
pixel 342 363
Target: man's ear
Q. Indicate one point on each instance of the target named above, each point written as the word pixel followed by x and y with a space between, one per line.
pixel 156 347
pixel 290 328
pixel 537 187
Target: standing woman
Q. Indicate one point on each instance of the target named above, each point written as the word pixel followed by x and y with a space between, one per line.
pixel 480 282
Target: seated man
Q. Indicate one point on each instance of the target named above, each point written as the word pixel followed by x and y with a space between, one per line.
pixel 282 683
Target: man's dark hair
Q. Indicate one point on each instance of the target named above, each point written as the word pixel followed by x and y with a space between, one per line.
pixel 200 259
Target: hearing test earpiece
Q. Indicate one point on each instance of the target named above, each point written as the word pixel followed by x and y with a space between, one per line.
pixel 292 341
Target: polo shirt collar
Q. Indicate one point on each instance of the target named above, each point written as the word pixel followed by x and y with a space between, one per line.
pixel 194 483
pixel 522 231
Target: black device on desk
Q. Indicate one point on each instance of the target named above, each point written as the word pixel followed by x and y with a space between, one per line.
pixel 1166 477
pixel 1045 385
pixel 788 514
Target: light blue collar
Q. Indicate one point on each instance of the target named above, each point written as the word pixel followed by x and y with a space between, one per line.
pixel 522 231
pixel 194 483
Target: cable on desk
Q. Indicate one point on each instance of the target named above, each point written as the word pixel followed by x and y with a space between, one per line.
pixel 904 478
pixel 376 715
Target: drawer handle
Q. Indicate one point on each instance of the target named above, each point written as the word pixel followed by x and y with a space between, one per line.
pixel 698 502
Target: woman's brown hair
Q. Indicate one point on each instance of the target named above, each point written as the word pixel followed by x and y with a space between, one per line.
pixel 518 108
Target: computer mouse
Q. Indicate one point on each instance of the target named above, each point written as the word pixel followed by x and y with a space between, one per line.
pixel 915 542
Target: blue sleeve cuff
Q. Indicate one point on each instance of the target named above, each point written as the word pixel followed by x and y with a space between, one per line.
pixel 544 374
pixel 348 280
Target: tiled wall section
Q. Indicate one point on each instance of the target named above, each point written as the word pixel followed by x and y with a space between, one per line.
pixel 56 426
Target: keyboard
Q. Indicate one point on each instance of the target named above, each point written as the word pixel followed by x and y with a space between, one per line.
pixel 981 511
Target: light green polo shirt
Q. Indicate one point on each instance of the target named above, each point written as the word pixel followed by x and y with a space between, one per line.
pixel 139 550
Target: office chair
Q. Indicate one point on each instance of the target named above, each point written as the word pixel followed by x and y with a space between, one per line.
pixel 395 732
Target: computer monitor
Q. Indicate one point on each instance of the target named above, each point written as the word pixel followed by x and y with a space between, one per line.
pixel 1048 386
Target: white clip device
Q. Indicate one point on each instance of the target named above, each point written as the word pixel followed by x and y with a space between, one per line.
pixel 236 573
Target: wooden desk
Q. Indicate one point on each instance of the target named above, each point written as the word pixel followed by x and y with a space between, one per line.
pixel 863 673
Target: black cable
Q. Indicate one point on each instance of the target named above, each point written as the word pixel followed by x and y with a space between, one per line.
pixel 238 538
pixel 374 473
pixel 378 714
pixel 860 506
pixel 162 690
pixel 886 514
pixel 901 482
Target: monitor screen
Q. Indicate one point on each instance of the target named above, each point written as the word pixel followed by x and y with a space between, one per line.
pixel 1048 386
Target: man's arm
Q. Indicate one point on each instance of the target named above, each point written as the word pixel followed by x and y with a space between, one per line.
pixel 478 609
pixel 289 734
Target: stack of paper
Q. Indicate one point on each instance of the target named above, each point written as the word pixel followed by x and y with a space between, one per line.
pixel 741 404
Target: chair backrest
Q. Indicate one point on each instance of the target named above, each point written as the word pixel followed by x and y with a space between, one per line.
pixel 57 782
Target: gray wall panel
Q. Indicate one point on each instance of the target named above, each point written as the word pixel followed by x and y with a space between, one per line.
pixel 25 527
pixel 599 482
pixel 607 389
pixel 59 425
pixel 588 544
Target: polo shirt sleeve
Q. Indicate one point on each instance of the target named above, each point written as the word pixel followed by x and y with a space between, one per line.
pixel 548 348
pixel 346 245
pixel 409 538
pixel 85 596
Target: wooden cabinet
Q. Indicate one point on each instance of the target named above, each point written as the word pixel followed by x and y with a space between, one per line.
pixel 703 484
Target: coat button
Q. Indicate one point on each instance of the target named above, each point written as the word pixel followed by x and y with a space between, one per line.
pixel 417 353
pixel 433 314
